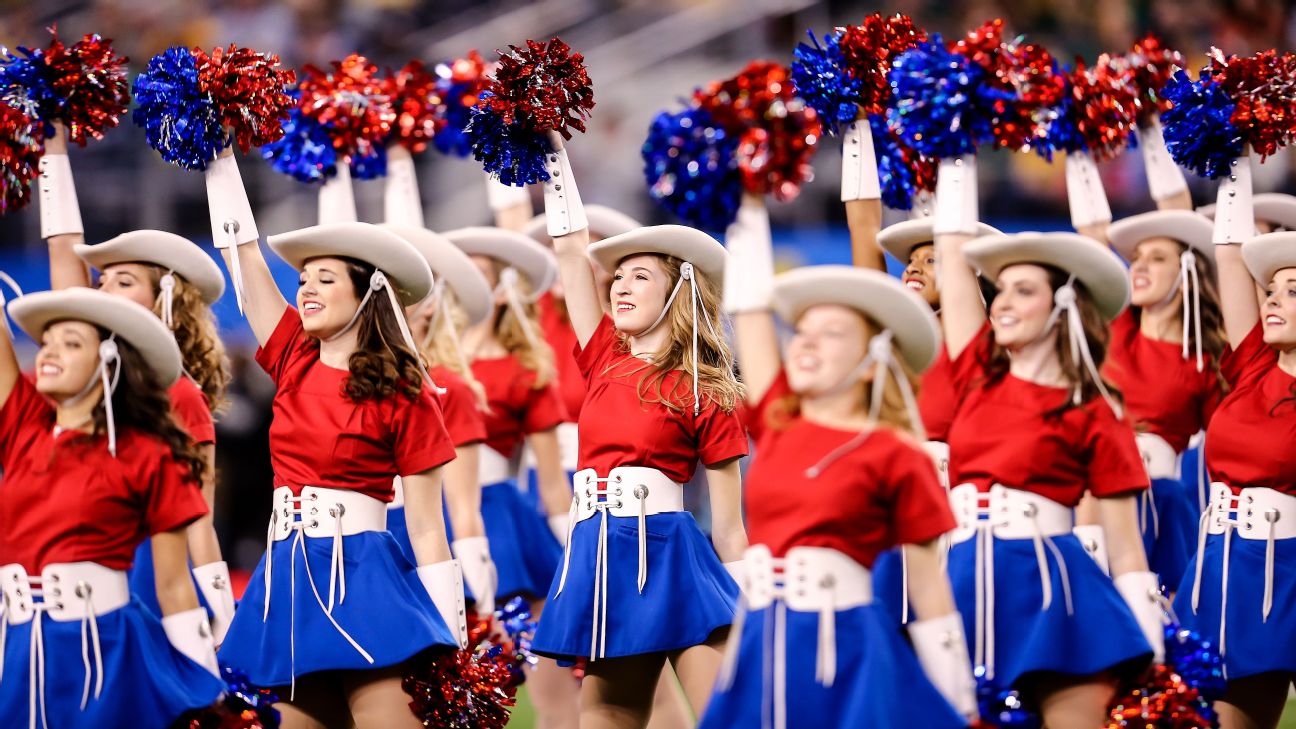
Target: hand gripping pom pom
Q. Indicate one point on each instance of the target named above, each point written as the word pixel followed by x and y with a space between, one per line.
pixel 943 107
pixel 249 89
pixel 459 85
pixel 901 171
pixel 1179 693
pixel 305 152
pixel 1098 113
pixel 414 96
pixel 21 147
pixel 508 151
pixel 83 85
pixel 820 77
pixel 692 170
pixel 244 706
pixel 350 102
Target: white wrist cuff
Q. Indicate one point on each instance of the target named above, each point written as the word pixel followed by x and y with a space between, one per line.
pixel 503 197
pixel 444 584
pixel 214 584
pixel 1085 193
pixel 924 204
pixel 559 524
pixel 474 558
pixel 942 650
pixel 59 212
pixel 1234 209
pixel 749 273
pixel 190 634
pixel 1094 541
pixel 1140 591
pixel 336 198
pixel 232 223
pixel 564 212
pixel 1164 177
pixel 859 164
pixel 956 196
pixel 401 204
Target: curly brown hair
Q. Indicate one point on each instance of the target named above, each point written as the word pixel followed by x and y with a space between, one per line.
pixel 382 365
pixel 194 326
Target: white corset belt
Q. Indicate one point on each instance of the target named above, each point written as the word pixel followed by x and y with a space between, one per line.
pixel 627 491
pixel 64 592
pixel 492 467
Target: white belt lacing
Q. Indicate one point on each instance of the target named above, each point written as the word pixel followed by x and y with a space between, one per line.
pixel 655 494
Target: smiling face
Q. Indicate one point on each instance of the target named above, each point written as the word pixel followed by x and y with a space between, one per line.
pixel 68 356
pixel 133 281
pixel 828 344
pixel 1154 271
pixel 1021 306
pixel 920 273
pixel 1279 310
pixel 326 298
pixel 640 286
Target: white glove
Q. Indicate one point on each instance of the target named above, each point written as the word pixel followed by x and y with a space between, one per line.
pixel 214 583
pixel 337 198
pixel 444 584
pixel 942 650
pixel 401 204
pixel 564 212
pixel 956 196
pixel 1165 179
pixel 59 211
pixel 190 634
pixel 859 163
pixel 479 572
pixel 1139 589
pixel 503 197
pixel 1094 541
pixel 749 272
pixel 559 524
pixel 1085 193
pixel 1234 208
pixel 228 206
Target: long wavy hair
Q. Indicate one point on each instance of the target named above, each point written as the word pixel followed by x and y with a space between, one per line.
pixel 1073 370
pixel 382 365
pixel 143 404
pixel 1214 339
pixel 536 355
pixel 194 326
pixel 439 349
pixel 717 380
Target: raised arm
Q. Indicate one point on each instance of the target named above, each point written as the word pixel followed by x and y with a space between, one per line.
pixel 579 286
pixel 962 313
pixel 749 280
pixel 9 371
pixel 61 214
pixel 234 232
pixel 861 193
pixel 1239 298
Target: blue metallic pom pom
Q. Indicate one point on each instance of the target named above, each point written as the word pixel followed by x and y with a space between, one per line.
pixel 820 76
pixel 1198 663
pixel 180 121
pixel 25 85
pixel 692 169
pixel 305 152
pixel 894 171
pixel 371 166
pixel 451 139
pixel 944 107
pixel 1002 708
pixel 512 154
pixel 1062 134
pixel 1198 131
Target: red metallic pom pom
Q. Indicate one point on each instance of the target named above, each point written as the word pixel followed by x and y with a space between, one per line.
pixel 1164 702
pixel 473 687
pixel 869 49
pixel 91 79
pixel 1105 104
pixel 1263 87
pixel 351 102
pixel 1151 65
pixel 250 89
pixel 544 86
pixel 21 147
pixel 414 96
pixel 1025 70
pixel 777 132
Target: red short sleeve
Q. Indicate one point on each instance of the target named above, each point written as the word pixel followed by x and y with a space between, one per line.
pixel 544 409
pixel 1115 465
pixel 920 506
pixel 720 435
pixel 598 351
pixel 172 499
pixel 286 344
pixel 26 414
pixel 1250 360
pixel 189 406
pixel 970 365
pixel 419 438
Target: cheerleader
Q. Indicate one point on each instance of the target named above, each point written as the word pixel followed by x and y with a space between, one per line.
pixel 84 484
pixel 1241 585
pixel 639 584
pixel 333 612
pixel 1036 429
pixel 839 476
pixel 177 281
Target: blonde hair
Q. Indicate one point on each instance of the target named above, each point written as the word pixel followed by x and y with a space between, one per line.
pixel 441 349
pixel 717 381
pixel 194 327
pixel 532 352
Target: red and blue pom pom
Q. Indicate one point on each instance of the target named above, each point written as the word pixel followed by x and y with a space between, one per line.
pixel 83 85
pixel 459 86
pixel 1151 66
pixel 1179 694
pixel 351 102
pixel 414 95
pixel 22 144
pixel 536 90
pixel 691 166
pixel 1098 114
pixel 244 706
pixel 902 172
pixel 305 151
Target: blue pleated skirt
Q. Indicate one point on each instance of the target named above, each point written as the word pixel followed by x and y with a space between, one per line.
pixel 147 684
pixel 1171 539
pixel 879 682
pixel 1196 484
pixel 1100 634
pixel 688 596
pixel 142 580
pixel 1252 644
pixel 888 586
pixel 387 612
pixel 525 551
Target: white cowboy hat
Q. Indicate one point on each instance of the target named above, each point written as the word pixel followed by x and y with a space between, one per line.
pixel 880 297
pixel 128 320
pixel 516 249
pixel 1189 228
pixel 400 262
pixel 451 265
pixel 1092 263
pixel 1268 254
pixel 682 242
pixel 900 239
pixel 159 248
pixel 603 222
pixel 1275 208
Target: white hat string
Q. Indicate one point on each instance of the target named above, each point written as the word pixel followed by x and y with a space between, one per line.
pixel 1190 283
pixel 378 281
pixel 1066 303
pixel 686 274
pixel 109 356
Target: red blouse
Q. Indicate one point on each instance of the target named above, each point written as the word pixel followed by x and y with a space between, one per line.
pixel 937 398
pixel 67 499
pixel 1249 441
pixel 1002 434
pixel 1163 392
pixel 517 407
pixel 618 429
pixel 879 494
pixel 558 332
pixel 190 408
pixel 319 437
pixel 464 420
